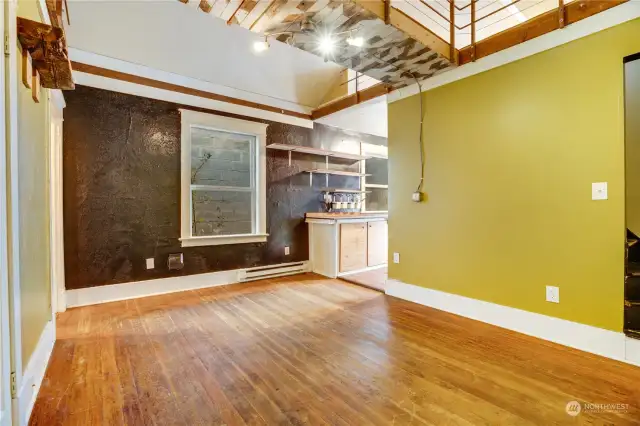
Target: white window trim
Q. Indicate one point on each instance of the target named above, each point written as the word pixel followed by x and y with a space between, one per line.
pixel 191 118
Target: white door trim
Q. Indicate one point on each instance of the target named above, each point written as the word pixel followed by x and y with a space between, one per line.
pixel 13 192
pixel 56 105
pixel 5 336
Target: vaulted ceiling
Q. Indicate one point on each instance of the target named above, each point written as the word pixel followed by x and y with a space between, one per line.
pixel 389 54
pixel 169 36
pixel 209 42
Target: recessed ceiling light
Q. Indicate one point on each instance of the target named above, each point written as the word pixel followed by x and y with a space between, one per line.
pixel 355 41
pixel 326 44
pixel 260 46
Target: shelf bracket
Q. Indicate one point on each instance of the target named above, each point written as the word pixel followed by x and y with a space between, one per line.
pixel 326 180
pixel 310 179
pixel 289 158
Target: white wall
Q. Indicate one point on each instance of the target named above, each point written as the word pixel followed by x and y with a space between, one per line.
pixel 178 38
pixel 368 117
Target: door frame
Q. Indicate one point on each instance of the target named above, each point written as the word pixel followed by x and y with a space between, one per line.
pixel 5 334
pixel 56 107
pixel 13 207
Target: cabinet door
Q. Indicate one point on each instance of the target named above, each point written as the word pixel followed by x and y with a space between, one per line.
pixel 378 242
pixel 353 246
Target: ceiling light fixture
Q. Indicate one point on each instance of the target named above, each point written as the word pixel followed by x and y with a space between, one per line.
pixel 355 41
pixel 261 46
pixel 326 45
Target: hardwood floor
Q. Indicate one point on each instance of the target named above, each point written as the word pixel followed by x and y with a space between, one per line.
pixel 375 279
pixel 309 350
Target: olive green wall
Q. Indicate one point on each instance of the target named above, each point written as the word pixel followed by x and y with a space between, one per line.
pixel 510 157
pixel 33 181
pixel 632 139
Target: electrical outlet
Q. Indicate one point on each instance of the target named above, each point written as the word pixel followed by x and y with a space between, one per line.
pixel 286 251
pixel 151 263
pixel 599 191
pixel 396 257
pixel 553 294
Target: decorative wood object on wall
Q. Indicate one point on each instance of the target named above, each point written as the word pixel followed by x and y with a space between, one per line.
pixel 48 50
pixel 394 54
pixel 26 68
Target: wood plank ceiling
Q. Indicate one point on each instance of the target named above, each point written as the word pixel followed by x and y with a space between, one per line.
pixel 389 54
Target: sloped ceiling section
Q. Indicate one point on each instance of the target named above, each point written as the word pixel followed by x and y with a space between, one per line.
pixel 388 55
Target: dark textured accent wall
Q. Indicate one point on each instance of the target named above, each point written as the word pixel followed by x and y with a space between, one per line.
pixel 122 191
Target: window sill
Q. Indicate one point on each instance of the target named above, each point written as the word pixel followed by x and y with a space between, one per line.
pixel 223 239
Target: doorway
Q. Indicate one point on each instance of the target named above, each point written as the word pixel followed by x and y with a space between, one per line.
pixel 632 195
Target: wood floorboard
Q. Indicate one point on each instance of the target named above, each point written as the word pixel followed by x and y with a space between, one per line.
pixel 305 350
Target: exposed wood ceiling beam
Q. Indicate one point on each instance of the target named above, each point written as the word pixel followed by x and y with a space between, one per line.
pixel 540 25
pixel 411 27
pixel 350 100
pixel 136 79
pixel 233 15
pixel 206 5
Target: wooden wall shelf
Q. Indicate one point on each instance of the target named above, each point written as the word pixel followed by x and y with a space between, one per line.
pixel 317 151
pixel 335 172
pixel 47 47
pixel 345 191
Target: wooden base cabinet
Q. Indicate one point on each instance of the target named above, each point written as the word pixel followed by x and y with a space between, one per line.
pixel 353 246
pixel 377 243
pixel 341 245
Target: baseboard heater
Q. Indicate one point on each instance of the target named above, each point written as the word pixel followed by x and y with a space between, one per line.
pixel 273 271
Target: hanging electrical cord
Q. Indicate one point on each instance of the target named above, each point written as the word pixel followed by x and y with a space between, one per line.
pixel 421 142
pixel 418 191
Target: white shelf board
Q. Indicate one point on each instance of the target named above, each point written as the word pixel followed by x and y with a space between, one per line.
pixel 335 172
pixel 346 191
pixel 317 151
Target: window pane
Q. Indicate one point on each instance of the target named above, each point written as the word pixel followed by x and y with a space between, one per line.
pixel 377 199
pixel 378 169
pixel 221 212
pixel 221 158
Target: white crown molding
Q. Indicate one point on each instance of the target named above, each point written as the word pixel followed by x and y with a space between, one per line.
pixel 106 62
pixel 607 19
pixel 587 338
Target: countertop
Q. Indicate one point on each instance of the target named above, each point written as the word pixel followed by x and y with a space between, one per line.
pixel 337 216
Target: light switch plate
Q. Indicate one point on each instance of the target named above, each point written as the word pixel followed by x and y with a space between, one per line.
pixel 286 251
pixel 151 263
pixel 599 191
pixel 553 294
pixel 396 257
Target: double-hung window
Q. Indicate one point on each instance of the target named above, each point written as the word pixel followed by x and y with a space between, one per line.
pixel 222 180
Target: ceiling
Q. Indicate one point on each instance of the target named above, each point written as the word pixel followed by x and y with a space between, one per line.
pixel 493 16
pixel 388 55
pixel 172 37
pixel 211 40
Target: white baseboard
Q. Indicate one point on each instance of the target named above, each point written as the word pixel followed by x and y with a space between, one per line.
pixel 137 289
pixel 587 338
pixel 34 373
pixel 358 271
pixel 134 290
